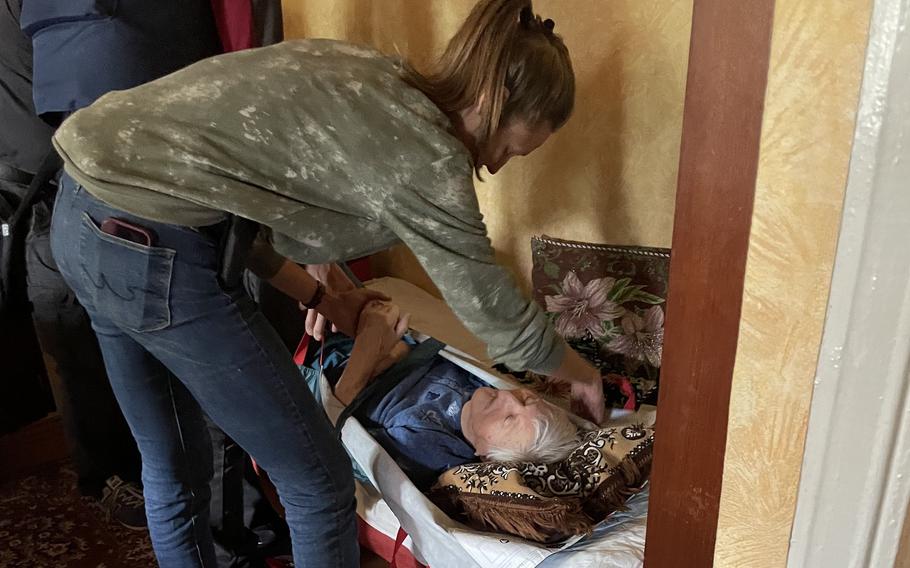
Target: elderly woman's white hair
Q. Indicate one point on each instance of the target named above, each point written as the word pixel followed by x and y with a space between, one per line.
pixel 555 438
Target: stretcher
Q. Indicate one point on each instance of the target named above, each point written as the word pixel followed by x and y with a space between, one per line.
pixel 401 524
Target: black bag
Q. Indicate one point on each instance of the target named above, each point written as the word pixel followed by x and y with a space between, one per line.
pixel 13 211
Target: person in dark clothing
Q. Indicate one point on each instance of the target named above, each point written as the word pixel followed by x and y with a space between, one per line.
pixel 24 138
pixel 24 141
pixel 85 49
pixel 82 50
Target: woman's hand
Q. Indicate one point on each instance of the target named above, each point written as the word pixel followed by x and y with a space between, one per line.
pixel 588 399
pixel 335 280
pixel 587 386
pixel 344 309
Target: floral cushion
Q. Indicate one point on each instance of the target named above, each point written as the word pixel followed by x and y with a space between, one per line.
pixel 549 502
pixel 608 302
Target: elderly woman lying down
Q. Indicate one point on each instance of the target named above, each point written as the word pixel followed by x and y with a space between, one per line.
pixel 438 415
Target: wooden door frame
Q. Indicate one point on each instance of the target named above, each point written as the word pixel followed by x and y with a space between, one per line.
pixel 722 122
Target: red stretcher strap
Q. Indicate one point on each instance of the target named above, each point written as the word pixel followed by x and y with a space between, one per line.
pixel 302 348
pixel 399 540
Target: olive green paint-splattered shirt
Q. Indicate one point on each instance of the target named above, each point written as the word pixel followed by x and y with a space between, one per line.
pixel 324 145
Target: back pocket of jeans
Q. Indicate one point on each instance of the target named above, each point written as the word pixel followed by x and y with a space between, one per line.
pixel 127 282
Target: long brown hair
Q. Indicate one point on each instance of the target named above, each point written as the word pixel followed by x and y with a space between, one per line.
pixel 509 60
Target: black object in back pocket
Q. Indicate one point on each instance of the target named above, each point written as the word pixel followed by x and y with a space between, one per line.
pixel 128 283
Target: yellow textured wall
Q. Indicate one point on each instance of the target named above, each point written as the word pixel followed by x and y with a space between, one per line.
pixel 816 67
pixel 610 175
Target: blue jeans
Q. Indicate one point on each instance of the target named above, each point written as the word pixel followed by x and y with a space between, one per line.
pixel 175 344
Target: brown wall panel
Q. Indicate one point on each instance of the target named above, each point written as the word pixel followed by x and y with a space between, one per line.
pixel 722 119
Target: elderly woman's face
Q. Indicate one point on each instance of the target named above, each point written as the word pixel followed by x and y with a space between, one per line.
pixel 500 418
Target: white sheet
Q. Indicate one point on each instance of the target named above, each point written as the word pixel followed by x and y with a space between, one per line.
pixel 618 542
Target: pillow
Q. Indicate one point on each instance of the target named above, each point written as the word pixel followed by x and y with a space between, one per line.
pixel 506 505
pixel 608 303
pixel 550 502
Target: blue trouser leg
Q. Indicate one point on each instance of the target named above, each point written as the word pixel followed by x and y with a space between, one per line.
pixel 169 429
pixel 173 342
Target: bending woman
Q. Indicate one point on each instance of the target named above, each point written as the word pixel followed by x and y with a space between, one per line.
pixel 337 152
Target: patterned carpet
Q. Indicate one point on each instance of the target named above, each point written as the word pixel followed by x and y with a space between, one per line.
pixel 45 523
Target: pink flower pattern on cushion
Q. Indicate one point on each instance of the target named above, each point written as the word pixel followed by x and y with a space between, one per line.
pixel 607 301
pixel 583 308
pixel 643 336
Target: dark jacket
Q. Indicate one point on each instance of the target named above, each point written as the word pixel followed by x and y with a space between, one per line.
pixel 85 48
pixel 24 138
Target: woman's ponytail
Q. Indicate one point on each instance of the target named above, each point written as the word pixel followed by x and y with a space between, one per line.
pixel 507 60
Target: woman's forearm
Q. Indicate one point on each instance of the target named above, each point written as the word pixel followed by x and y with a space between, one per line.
pixel 294 281
pixel 332 276
pixel 587 386
pixel 575 369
